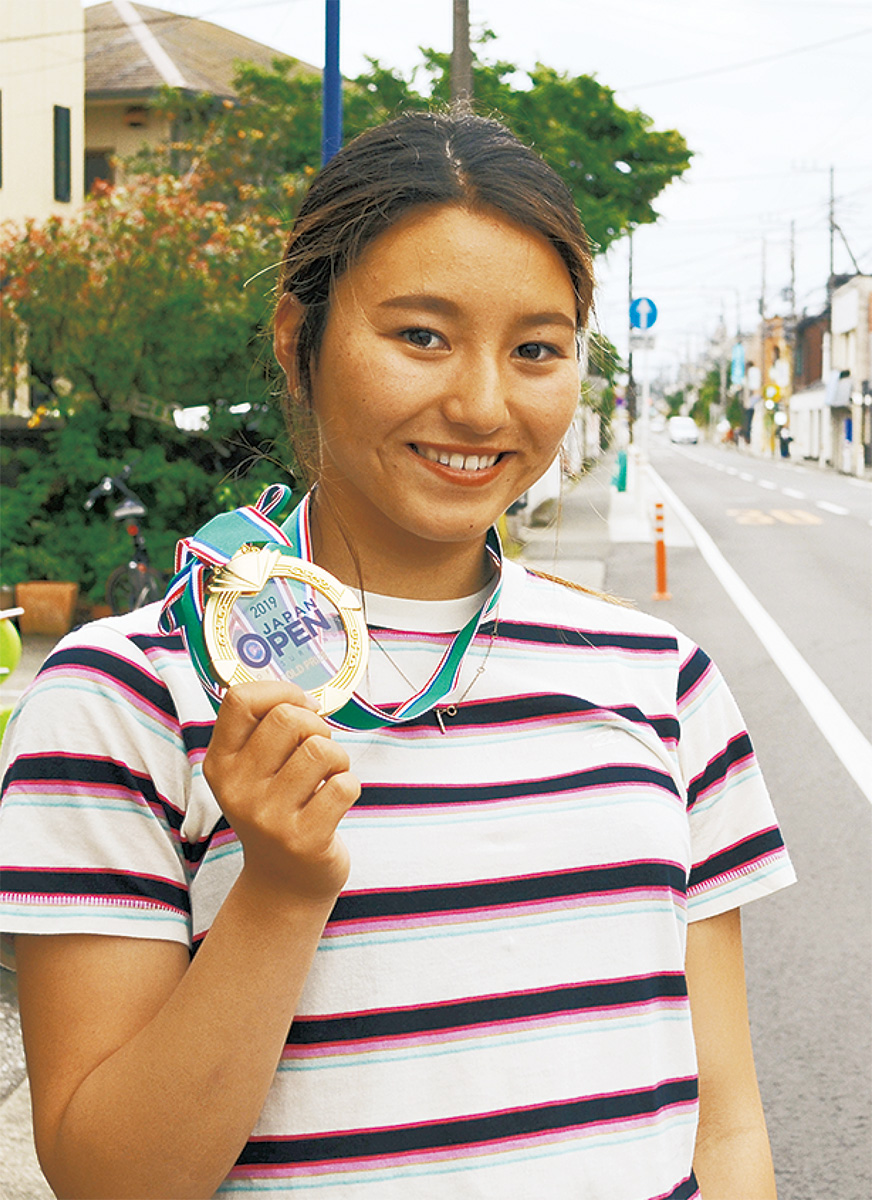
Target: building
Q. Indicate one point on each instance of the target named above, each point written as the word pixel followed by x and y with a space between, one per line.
pixel 42 108
pixel 831 409
pixel 133 52
pixel 809 418
pixel 849 382
pixel 768 377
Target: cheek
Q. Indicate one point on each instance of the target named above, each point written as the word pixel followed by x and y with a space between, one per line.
pixel 555 415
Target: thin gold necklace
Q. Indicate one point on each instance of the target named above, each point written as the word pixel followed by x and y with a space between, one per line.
pixel 449 710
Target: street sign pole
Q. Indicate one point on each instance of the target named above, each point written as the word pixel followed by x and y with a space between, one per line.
pixel 646 394
pixel 643 314
pixel 331 120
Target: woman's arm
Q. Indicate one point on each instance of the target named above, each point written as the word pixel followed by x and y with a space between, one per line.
pixel 148 1073
pixel 732 1159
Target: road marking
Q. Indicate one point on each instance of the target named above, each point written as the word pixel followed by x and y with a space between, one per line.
pixel 732 470
pixel 793 493
pixel 846 740
pixel 767 484
pixel 796 516
pixel 750 516
pixel 747 478
pixel 788 516
pixel 833 508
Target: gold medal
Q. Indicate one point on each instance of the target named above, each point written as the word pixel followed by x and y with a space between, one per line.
pixel 271 616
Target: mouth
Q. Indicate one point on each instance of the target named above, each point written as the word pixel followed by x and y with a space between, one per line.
pixel 456 460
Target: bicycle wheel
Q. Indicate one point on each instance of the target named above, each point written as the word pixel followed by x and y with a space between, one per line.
pixel 131 586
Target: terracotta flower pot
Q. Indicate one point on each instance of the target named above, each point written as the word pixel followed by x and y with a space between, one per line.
pixel 48 606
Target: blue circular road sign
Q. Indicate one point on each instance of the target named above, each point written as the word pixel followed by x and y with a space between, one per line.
pixel 643 313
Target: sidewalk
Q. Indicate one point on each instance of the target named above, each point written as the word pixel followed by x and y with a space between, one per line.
pixel 591 514
pixel 576 545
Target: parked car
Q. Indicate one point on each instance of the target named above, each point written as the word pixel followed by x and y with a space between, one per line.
pixel 683 429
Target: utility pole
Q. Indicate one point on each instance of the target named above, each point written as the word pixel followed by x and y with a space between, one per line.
pixel 631 382
pixel 331 108
pixel 763 329
pixel 461 57
pixel 792 295
pixel 832 235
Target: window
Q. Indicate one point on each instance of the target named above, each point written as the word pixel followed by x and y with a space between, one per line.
pixel 62 157
pixel 98 166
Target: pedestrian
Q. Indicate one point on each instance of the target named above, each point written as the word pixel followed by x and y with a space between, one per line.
pixel 491 949
pixel 785 437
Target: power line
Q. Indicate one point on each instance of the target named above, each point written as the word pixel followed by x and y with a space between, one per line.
pixel 751 62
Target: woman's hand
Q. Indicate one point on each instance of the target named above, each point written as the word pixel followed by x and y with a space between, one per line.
pixel 284 786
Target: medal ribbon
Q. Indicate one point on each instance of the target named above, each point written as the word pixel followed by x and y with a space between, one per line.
pixel 216 543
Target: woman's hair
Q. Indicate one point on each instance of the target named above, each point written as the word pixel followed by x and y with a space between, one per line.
pixel 420 158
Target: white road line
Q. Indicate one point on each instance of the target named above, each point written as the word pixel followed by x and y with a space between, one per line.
pixel 732 470
pixel 793 493
pixel 747 478
pixel 846 740
pixel 766 483
pixel 833 508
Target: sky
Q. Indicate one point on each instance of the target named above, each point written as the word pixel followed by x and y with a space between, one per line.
pixel 769 94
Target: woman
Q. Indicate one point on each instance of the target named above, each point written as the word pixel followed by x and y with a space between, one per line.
pixel 473 922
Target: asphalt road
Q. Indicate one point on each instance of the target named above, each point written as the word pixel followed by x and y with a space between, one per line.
pixel 800 539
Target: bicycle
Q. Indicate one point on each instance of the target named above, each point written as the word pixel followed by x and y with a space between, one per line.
pixel 135 583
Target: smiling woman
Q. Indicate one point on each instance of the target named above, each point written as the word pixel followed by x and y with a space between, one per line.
pixel 441 391
pixel 473 933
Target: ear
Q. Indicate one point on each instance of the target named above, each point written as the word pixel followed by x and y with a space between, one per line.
pixel 286 330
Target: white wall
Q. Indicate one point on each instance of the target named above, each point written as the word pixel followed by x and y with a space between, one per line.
pixel 42 64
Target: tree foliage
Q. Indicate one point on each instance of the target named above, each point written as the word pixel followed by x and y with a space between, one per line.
pixel 708 398
pixel 264 147
pixel 132 309
pixel 142 294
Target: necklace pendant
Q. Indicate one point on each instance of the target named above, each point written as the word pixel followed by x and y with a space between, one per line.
pixel 450 711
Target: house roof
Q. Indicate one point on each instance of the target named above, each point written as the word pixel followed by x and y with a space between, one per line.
pixel 132 50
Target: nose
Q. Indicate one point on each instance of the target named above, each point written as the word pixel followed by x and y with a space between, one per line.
pixel 478 396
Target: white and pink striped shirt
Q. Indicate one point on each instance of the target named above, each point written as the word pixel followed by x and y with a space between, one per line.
pixel 498 1007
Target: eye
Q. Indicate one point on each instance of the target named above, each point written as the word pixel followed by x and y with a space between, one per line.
pixel 536 351
pixel 424 339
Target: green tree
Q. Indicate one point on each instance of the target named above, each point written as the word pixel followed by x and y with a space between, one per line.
pixel 709 397
pixel 611 158
pixel 135 307
pixel 599 390
pixel 674 402
pixel 263 148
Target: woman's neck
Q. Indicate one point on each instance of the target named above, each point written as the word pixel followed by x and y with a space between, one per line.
pixel 398 566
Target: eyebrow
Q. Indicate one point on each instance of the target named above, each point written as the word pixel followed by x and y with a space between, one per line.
pixel 424 301
pixel 439 305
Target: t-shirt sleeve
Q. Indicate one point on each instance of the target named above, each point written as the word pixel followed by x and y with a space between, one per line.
pixel 95 781
pixel 738 853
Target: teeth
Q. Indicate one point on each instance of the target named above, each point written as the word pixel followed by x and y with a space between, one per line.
pixel 458 462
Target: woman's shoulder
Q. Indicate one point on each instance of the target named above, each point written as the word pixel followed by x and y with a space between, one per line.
pixel 133 641
pixel 126 662
pixel 545 597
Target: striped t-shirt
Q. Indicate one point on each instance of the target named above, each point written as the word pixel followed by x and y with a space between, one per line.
pixel 497 1007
